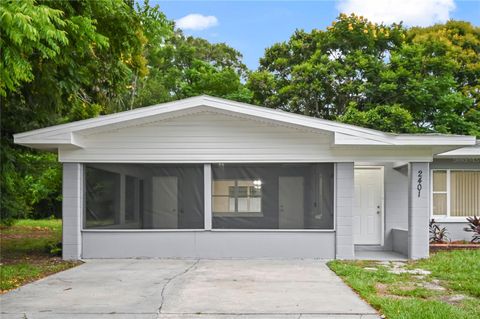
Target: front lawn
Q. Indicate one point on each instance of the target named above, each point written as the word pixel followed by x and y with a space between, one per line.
pixel 29 250
pixel 446 285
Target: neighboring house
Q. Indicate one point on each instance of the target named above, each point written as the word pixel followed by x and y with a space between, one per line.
pixel 207 177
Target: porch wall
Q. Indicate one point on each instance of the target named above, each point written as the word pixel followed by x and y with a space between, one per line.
pixel 344 193
pixel 209 244
pixel 396 203
pixel 78 243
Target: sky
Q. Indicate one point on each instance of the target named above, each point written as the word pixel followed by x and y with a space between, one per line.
pixel 252 26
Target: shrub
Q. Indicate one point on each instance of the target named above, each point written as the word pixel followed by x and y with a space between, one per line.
pixel 473 227
pixel 437 234
pixel 54 249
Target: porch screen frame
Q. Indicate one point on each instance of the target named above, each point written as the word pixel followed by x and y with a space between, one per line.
pixel 207 170
pixel 210 214
pixel 97 165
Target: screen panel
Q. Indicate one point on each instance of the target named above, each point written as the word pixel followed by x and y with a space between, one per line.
pixel 144 196
pixel 272 196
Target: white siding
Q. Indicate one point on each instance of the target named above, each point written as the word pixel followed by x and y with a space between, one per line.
pixel 213 137
pixel 201 137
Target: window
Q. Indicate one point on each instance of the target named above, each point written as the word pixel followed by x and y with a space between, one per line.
pixel 144 196
pixel 439 193
pixel 456 193
pixel 237 198
pixel 272 196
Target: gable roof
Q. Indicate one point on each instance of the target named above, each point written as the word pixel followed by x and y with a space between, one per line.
pixel 69 135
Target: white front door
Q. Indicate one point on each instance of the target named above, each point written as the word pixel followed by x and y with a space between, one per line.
pixel 290 202
pixel 165 202
pixel 368 206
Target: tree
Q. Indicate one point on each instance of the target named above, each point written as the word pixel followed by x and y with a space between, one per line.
pixel 451 52
pixel 182 66
pixel 387 118
pixel 321 72
pixel 71 60
pixel 27 28
pixel 188 66
pixel 423 79
pixel 61 60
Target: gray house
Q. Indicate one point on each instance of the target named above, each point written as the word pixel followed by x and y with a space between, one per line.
pixel 212 178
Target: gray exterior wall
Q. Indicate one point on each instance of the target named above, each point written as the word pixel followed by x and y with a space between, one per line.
pixel 400 241
pixel 418 210
pixel 209 244
pixel 455 231
pixel 455 228
pixel 72 208
pixel 396 202
pixel 78 243
pixel 344 192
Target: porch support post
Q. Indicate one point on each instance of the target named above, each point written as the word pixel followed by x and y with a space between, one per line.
pixel 72 208
pixel 123 199
pixel 418 210
pixel 344 192
pixel 207 185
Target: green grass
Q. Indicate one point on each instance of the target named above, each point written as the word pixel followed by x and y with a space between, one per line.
pixel 54 224
pixel 459 269
pixel 403 296
pixel 18 274
pixel 26 252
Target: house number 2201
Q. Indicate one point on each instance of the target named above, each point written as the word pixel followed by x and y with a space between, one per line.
pixel 419 182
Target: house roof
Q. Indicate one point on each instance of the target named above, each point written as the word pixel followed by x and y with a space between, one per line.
pixel 70 134
pixel 469 151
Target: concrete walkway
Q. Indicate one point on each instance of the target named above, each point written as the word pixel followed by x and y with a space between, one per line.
pixel 166 288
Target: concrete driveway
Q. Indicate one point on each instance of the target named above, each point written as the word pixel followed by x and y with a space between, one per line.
pixel 166 288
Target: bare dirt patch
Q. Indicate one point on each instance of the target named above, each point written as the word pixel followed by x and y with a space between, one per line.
pixel 383 290
pixel 25 232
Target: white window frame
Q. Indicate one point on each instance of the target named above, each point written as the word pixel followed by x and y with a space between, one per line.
pixel 447 217
pixel 236 213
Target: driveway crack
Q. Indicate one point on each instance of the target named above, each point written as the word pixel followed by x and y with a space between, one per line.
pixel 169 280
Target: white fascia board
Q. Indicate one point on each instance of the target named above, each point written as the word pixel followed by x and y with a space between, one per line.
pixel 350 140
pixel 51 142
pixel 294 119
pixel 344 134
pixel 453 141
pixel 435 140
pixel 209 103
pixel 109 119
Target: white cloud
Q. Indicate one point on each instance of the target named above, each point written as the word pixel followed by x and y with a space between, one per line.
pixel 195 21
pixel 411 12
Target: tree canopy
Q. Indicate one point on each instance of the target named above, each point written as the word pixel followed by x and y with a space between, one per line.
pixel 69 60
pixel 380 76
